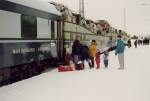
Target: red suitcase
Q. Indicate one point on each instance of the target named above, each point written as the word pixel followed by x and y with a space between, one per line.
pixel 80 66
pixel 62 68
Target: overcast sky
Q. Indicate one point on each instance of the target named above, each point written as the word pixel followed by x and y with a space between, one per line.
pixel 137 13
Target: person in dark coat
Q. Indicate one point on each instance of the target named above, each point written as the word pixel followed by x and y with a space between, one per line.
pixel 76 50
pixel 135 43
pixel 85 54
pixel 129 43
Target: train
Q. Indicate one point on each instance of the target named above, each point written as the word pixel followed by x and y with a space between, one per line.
pixel 32 38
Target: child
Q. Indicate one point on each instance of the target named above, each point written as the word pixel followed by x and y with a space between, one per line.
pixel 97 59
pixel 106 58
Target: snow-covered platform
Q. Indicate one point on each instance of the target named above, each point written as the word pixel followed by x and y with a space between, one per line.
pixel 131 84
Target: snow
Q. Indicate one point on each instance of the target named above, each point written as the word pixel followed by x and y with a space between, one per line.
pixel 38 4
pixel 111 84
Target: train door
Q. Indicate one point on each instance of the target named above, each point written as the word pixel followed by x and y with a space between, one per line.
pixel 57 37
pixel 53 39
pixel 60 40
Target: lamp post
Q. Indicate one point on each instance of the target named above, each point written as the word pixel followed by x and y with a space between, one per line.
pixel 124 18
pixel 81 8
pixel 145 4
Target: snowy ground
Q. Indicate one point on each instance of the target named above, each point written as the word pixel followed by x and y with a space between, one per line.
pixel 131 84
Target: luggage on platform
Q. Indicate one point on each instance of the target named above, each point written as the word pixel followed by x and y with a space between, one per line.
pixel 62 68
pixel 79 66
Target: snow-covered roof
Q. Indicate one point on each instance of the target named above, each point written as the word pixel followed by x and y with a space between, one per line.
pixel 42 5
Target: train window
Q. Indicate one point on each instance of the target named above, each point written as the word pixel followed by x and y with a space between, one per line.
pixel 84 37
pixel 49 25
pixel 56 31
pixel 43 28
pixel 52 29
pixel 10 28
pixel 28 27
pixel 74 36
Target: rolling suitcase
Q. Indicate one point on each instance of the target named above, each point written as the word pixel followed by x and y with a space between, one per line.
pixel 62 68
pixel 79 66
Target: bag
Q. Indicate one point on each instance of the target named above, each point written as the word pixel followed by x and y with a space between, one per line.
pixel 80 66
pixel 62 68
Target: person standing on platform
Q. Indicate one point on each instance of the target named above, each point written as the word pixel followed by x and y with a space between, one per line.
pixel 135 43
pixel 98 59
pixel 105 58
pixel 76 50
pixel 129 43
pixel 93 48
pixel 120 51
pixel 85 54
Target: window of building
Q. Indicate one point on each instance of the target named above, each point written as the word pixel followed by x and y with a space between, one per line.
pixel 67 36
pixel 71 36
pixel 28 27
pixel 84 37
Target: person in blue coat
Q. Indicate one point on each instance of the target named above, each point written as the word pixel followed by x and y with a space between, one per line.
pixel 120 51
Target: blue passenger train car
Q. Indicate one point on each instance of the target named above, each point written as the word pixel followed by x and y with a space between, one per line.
pixel 30 38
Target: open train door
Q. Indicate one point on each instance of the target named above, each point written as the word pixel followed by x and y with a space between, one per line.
pixel 60 41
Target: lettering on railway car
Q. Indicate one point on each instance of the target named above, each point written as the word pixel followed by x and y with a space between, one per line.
pixel 23 50
pixel 44 49
pixel 27 50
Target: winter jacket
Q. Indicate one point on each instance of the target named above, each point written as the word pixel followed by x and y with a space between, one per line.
pixel 120 47
pixel 85 52
pixel 76 48
pixel 93 49
pixel 97 57
pixel 105 57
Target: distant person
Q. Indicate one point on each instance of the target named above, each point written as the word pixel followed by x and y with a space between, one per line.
pixel 120 51
pixel 105 58
pixel 129 43
pixel 98 59
pixel 93 48
pixel 135 43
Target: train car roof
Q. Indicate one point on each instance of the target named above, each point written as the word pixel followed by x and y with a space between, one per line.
pixel 42 5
